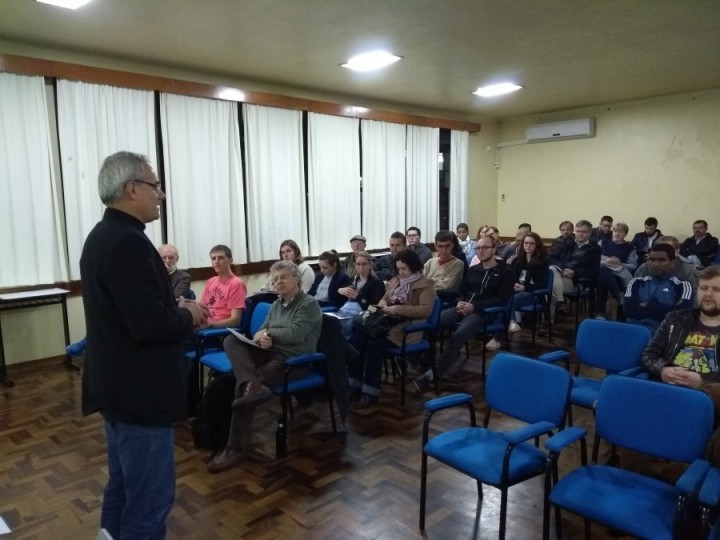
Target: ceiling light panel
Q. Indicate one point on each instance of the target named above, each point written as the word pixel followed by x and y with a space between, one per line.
pixel 496 89
pixel 371 61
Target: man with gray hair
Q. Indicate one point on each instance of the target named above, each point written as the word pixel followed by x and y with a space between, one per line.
pixel 134 371
pixel 179 280
pixel 292 328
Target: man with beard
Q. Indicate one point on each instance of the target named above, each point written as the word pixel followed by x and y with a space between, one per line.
pixel 684 350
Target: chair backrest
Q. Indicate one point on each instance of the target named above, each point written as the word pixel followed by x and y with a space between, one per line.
pixel 663 420
pixel 259 314
pixel 528 390
pixel 611 345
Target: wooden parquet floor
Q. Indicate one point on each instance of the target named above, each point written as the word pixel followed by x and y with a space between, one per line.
pixel 363 483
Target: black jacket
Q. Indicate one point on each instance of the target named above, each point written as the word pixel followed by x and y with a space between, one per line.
pixel 134 370
pixel 488 288
pixel 535 276
pixel 669 339
pixel 704 250
pixel 340 279
pixel 371 293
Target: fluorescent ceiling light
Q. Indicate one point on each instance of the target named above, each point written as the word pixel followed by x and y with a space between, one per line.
pixel 371 61
pixel 70 4
pixel 496 89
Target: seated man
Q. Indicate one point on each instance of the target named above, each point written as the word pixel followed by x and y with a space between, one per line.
pixel 489 283
pixel 384 267
pixel 682 270
pixel 700 249
pixel 644 240
pixel 563 244
pixel 648 299
pixel 179 280
pixel 357 244
pixel 445 270
pixel 617 263
pixel 414 243
pixel 292 328
pixel 580 264
pixel 511 250
pixel 684 350
pixel 603 231
pixel 225 293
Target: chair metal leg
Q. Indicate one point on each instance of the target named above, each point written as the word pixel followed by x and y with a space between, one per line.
pixel 587 529
pixel 403 372
pixel 503 512
pixel 423 490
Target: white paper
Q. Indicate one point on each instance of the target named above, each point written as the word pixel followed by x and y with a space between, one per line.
pixel 4 529
pixel 242 338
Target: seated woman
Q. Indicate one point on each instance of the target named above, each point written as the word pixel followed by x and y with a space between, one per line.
pixel 409 296
pixel 366 290
pixel 329 280
pixel 617 263
pixel 467 244
pixel 531 273
pixel 290 251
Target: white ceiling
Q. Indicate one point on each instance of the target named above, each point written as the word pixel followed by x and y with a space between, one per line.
pixel 566 53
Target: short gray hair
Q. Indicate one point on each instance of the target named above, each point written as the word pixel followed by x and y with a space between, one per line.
pixel 286 266
pixel 116 171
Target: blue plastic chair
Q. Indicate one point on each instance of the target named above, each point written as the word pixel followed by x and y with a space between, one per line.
pixel 541 304
pixel 608 345
pixel 217 359
pixel 662 420
pixel 709 499
pixel 521 388
pixel 425 346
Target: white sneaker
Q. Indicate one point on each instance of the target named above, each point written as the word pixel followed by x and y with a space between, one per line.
pixel 493 345
pixel 514 327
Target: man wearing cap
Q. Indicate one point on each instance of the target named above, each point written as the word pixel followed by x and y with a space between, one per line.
pixel 648 299
pixel 357 244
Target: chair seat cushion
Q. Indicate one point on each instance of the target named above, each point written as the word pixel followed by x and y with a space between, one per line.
pixel 310 381
pixel 217 361
pixel 479 452
pixel 410 348
pixel 630 502
pixel 585 391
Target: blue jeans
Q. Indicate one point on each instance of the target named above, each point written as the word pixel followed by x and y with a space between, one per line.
pixel 141 488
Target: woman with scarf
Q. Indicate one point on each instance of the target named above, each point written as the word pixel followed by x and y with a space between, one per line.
pixel 409 297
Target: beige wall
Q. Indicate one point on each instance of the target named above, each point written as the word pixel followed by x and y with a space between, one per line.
pixel 657 158
pixel 482 177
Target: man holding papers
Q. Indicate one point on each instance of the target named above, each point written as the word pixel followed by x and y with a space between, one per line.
pixel 292 328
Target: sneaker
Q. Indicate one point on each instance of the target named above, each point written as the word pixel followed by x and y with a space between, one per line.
pixel 422 383
pixel 560 309
pixel 514 327
pixel 493 345
pixel 77 348
pixel 600 317
pixel 366 401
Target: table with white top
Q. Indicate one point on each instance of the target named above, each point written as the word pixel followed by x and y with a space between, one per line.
pixel 31 299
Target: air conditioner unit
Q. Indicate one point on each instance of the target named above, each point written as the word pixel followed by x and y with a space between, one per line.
pixel 579 128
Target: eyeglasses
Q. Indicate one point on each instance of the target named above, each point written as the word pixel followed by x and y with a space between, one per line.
pixel 154 185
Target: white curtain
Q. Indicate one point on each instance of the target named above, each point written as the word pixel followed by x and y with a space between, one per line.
pixel 203 171
pixel 458 177
pixel 333 182
pixel 423 201
pixel 31 243
pixel 277 209
pixel 383 187
pixel 95 121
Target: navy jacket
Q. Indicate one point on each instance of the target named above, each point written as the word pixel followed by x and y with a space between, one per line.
pixel 339 280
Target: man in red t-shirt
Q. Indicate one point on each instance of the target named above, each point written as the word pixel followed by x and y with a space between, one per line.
pixel 224 294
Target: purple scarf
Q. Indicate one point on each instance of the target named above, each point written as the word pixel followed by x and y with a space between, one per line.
pixel 400 294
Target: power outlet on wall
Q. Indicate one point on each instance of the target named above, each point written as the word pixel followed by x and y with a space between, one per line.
pixel 502 197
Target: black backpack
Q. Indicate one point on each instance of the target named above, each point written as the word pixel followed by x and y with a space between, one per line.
pixel 211 425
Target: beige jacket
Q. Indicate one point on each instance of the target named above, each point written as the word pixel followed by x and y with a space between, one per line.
pixel 417 308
